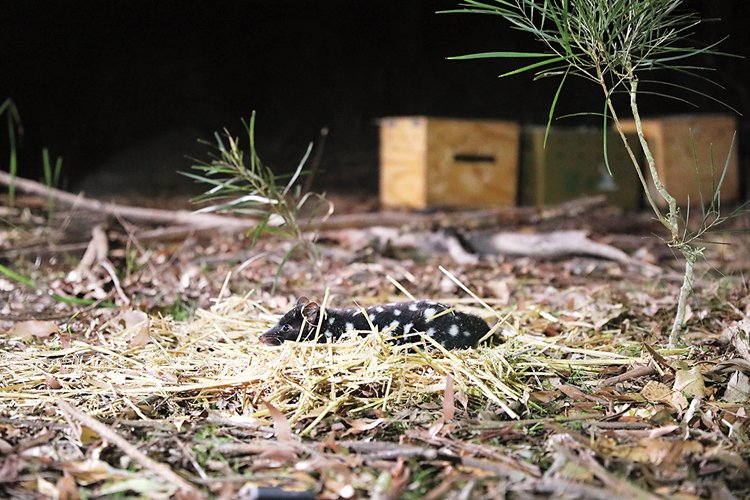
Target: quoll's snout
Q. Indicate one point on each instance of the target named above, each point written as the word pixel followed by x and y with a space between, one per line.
pixel 269 338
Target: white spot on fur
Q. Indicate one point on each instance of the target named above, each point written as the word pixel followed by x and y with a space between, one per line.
pixel 453 331
pixel 397 312
pixel 467 333
pixel 394 324
pixel 331 320
pixel 429 313
pixel 407 327
pixel 349 327
pixel 328 333
pixel 379 309
pixel 371 316
pixel 413 307
pixel 431 332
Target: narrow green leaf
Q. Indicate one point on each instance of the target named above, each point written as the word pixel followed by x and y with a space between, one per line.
pixel 17 277
pixel 81 302
pixel 499 55
pixel 298 170
pixel 534 66
pixel 552 108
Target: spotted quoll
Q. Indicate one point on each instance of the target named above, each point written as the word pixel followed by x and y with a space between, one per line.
pixel 403 321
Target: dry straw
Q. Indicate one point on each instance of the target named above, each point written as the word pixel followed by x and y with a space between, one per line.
pixel 215 362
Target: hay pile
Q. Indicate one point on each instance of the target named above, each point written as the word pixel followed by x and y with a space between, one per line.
pixel 147 366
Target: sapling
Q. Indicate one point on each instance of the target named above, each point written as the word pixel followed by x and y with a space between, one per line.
pixel 616 44
pixel 240 183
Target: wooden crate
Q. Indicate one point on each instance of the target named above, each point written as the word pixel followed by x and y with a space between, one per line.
pixel 432 162
pixel 572 165
pixel 676 142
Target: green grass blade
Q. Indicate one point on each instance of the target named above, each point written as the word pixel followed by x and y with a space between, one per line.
pixel 298 170
pixel 80 302
pixel 10 273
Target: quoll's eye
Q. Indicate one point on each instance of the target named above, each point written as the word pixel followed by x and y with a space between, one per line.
pixel 286 327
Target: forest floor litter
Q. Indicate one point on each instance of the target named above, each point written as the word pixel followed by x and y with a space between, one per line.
pixel 133 368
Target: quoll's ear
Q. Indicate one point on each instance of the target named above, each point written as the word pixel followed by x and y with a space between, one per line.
pixel 310 312
pixel 301 302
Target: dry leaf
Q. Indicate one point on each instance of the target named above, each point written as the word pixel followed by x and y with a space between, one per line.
pixel 282 429
pixel 449 401
pixel 52 382
pixel 690 382
pixel 92 471
pixel 66 488
pixel 363 424
pixel 138 323
pixel 134 318
pixel 656 392
pixel 46 488
pixel 436 427
pixel 33 328
pixel 10 468
pixel 545 396
pixel 738 388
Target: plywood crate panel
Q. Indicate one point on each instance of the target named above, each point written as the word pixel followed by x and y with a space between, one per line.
pixel 571 164
pixel 432 162
pixel 676 142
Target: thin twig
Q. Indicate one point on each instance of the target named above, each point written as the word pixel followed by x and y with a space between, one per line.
pixel 636 372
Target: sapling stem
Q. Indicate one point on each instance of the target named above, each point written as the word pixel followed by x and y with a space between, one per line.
pixel 672 218
pixel 685 291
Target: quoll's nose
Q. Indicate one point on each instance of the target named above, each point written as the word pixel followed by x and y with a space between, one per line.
pixel 270 339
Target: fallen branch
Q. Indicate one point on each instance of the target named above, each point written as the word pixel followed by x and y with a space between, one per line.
pixel 158 468
pixel 472 219
pixel 126 211
pixel 468 219
pixel 551 245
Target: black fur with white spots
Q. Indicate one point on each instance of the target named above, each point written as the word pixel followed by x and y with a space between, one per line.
pixel 403 321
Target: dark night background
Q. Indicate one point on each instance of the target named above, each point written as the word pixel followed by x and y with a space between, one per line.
pixel 128 87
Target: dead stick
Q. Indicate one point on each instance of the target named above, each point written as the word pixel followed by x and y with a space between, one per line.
pixel 638 371
pixel 158 468
pixel 125 211
pixel 470 219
